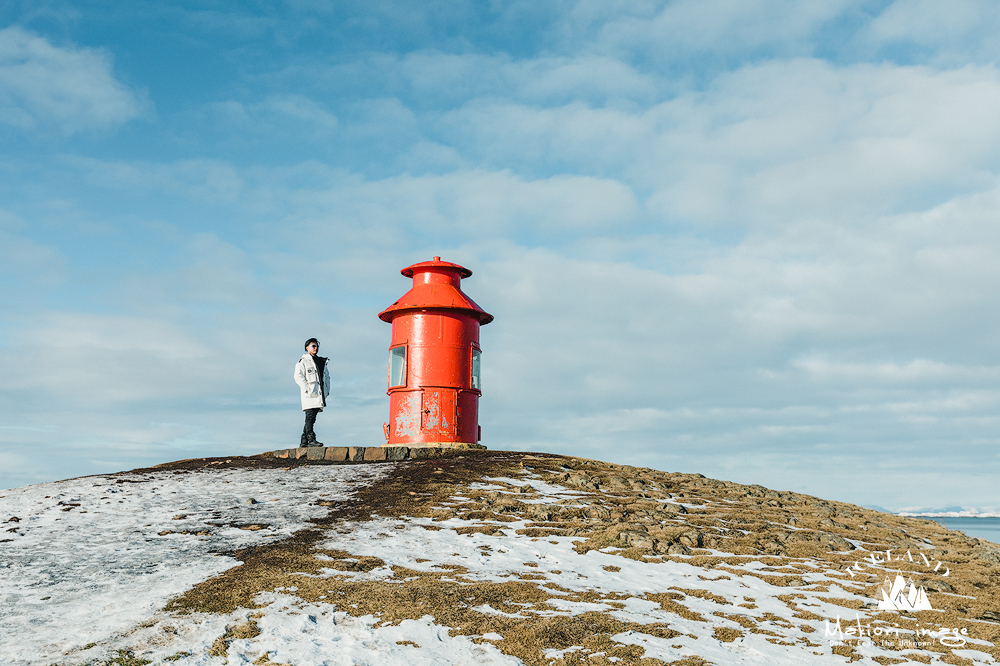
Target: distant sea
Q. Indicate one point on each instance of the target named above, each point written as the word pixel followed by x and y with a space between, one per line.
pixel 980 528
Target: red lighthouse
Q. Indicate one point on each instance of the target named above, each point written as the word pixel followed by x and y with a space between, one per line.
pixel 434 383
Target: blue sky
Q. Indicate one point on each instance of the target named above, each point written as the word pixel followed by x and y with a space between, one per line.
pixel 755 240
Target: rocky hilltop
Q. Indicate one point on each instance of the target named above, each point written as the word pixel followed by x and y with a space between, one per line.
pixel 508 558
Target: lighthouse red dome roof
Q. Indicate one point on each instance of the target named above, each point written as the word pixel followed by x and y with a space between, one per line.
pixel 436 285
pixel 436 263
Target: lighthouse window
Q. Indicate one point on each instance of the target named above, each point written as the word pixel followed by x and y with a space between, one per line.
pixel 397 366
pixel 475 368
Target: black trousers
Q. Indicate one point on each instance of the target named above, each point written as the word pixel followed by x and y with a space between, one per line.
pixel 307 430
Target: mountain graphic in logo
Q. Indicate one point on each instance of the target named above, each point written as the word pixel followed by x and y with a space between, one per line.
pixel 896 596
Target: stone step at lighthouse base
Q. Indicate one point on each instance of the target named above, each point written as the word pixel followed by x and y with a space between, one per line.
pixel 375 453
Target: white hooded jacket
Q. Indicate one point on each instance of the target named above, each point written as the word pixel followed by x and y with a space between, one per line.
pixel 307 378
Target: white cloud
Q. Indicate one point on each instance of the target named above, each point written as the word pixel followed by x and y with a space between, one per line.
pixel 31 266
pixel 697 37
pixel 948 33
pixel 460 205
pixel 714 28
pixel 917 370
pixel 476 204
pixel 71 88
pixel 766 144
pixel 198 179
pixel 540 80
pixel 277 114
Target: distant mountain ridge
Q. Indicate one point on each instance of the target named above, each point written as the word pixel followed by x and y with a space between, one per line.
pixel 950 512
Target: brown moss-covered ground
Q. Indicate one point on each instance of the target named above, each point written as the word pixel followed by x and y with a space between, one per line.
pixel 636 513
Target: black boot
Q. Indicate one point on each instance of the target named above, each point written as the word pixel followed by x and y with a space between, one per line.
pixel 304 441
pixel 308 436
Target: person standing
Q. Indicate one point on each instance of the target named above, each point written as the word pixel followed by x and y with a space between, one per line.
pixel 312 374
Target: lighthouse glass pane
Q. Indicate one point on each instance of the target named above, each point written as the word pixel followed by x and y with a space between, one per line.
pixel 475 368
pixel 397 366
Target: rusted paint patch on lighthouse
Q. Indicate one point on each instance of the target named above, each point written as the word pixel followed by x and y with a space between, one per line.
pixel 431 413
pixel 406 419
